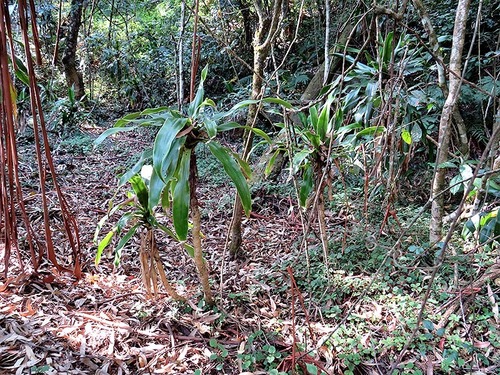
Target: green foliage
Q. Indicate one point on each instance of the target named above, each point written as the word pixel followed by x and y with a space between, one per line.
pixel 137 215
pixel 258 353
pixel 78 144
pixel 66 114
pixel 177 137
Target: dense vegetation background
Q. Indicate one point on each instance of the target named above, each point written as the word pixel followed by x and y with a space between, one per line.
pixel 278 187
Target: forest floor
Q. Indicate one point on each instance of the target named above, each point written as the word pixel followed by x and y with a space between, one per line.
pixel 277 309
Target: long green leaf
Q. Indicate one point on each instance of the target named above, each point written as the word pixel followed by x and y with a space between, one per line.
pixel 272 160
pixel 165 197
pixel 145 155
pixel 299 158
pixel 307 185
pixel 169 163
pixel 103 220
pixel 279 101
pixel 102 245
pixel 122 223
pixel 140 190
pixel 234 125
pixel 181 197
pixel 242 104
pixel 123 241
pixel 112 131
pixel 372 131
pixel 211 127
pixel 313 115
pixel 228 126
pixel 323 120
pixel 189 249
pixel 156 186
pixel 195 105
pixel 387 49
pixel 165 229
pixel 132 117
pixel 234 172
pixel 163 141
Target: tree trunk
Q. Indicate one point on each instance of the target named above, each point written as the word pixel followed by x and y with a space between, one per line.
pixel 436 49
pixel 317 81
pixel 264 37
pixel 180 53
pixel 260 56
pixel 73 76
pixel 438 184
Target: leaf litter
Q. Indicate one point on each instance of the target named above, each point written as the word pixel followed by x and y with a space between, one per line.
pixel 104 324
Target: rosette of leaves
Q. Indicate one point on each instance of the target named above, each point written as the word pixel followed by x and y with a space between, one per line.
pixel 138 218
pixel 173 180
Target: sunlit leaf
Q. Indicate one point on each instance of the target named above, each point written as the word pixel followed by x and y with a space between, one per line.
pixel 140 190
pixel 406 136
pixel 112 131
pixel 102 245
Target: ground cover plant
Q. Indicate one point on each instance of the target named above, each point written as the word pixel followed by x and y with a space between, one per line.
pixel 362 150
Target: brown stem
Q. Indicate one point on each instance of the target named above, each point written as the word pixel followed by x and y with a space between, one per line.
pixel 196 217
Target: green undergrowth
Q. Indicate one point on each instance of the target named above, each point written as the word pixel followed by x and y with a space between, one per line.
pixel 372 299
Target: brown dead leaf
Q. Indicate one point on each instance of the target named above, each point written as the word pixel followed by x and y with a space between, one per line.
pixel 28 309
pixel 481 344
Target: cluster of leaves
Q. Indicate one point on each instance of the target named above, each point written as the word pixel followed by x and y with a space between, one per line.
pixel 169 181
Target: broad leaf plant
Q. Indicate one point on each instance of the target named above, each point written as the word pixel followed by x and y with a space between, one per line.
pixel 173 180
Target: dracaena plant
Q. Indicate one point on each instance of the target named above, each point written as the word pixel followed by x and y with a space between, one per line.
pixel 173 181
pixel 321 140
pixel 138 218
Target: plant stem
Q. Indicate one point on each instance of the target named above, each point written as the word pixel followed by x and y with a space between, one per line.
pixel 196 217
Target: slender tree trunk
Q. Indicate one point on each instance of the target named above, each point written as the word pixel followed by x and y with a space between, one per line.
pixel 73 76
pixel 259 61
pixel 317 82
pixel 244 8
pixel 180 94
pixel 326 71
pixel 438 184
pixel 436 49
pixel 264 37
